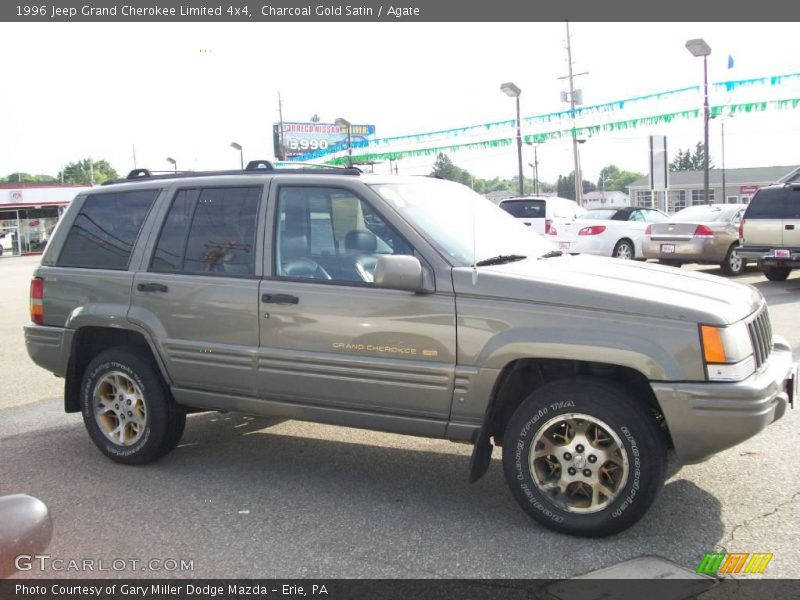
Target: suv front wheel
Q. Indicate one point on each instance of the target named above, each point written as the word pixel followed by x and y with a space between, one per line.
pixel 584 457
pixel 127 408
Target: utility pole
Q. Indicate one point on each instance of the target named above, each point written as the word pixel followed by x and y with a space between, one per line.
pixel 572 103
pixel 134 155
pixel 282 148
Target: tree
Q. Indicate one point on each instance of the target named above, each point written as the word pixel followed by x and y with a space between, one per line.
pixel 613 179
pixel 565 187
pixel 26 178
pixel 689 161
pixel 445 169
pixel 87 171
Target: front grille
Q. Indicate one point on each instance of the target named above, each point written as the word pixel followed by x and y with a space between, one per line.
pixel 761 335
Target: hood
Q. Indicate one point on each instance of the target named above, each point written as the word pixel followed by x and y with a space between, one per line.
pixel 614 285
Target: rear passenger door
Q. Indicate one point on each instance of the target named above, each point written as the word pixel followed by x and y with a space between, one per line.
pixel 329 337
pixel 197 293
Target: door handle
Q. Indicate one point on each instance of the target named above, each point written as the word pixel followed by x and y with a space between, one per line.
pixel 279 299
pixel 152 287
pixel 528 224
pixel 790 227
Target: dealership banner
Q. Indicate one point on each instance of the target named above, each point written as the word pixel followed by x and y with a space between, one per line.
pixel 298 139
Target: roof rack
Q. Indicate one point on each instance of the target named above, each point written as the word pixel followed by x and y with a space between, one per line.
pixel 252 168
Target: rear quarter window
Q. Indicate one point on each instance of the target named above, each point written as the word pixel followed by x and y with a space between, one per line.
pixel 105 230
pixel 525 209
pixel 768 204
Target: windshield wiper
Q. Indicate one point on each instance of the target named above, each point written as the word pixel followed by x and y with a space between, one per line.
pixel 500 259
pixel 552 254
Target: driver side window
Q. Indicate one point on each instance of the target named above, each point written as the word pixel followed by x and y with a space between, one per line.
pixel 331 234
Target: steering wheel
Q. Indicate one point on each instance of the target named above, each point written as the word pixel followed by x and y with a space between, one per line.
pixel 304 268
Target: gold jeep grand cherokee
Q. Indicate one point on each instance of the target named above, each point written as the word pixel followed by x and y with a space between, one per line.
pixel 402 304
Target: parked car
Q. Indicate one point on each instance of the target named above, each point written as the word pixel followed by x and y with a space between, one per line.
pixel 707 234
pixel 616 232
pixel 544 214
pixel 770 230
pixel 27 531
pixel 402 304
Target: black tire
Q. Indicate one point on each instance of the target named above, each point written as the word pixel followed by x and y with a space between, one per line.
pixel 776 273
pixel 624 250
pixel 626 417
pixel 731 266
pixel 159 425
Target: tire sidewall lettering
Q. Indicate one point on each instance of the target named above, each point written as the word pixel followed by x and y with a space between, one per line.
pixel 88 404
pixel 528 486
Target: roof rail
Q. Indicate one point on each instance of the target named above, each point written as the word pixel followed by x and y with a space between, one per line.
pixel 254 167
pixel 259 165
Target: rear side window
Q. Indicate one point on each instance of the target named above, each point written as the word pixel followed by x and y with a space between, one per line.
pixel 209 231
pixel 768 203
pixel 793 204
pixel 525 209
pixel 105 230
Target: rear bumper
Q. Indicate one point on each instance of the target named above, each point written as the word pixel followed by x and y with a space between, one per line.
pixel 584 245
pixel 49 347
pixel 706 418
pixel 694 250
pixel 768 255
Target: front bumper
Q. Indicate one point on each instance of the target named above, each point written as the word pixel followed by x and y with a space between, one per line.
pixel 708 417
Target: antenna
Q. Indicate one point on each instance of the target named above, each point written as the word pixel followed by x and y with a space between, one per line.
pixel 474 247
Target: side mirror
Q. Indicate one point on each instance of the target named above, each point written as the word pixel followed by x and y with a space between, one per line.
pixel 399 272
pixel 27 530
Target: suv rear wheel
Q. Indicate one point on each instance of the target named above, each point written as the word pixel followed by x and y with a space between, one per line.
pixel 584 457
pixel 776 273
pixel 128 409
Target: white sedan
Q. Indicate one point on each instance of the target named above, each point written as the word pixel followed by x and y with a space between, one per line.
pixel 614 232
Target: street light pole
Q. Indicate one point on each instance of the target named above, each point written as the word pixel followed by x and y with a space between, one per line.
pixel 724 190
pixel 345 123
pixel 698 47
pixel 173 162
pixel 514 92
pixel 238 147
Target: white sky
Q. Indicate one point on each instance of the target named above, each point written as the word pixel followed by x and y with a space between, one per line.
pixel 72 90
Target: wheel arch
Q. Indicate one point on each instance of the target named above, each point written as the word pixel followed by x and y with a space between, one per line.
pixel 88 342
pixel 522 376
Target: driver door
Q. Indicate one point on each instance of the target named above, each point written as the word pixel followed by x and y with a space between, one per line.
pixel 330 338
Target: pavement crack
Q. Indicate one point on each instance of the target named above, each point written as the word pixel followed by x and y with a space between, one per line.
pixel 747 522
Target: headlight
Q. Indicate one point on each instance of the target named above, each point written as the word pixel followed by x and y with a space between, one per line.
pixel 728 352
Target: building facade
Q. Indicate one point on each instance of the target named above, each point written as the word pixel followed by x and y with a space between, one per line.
pixel 686 187
pixel 29 213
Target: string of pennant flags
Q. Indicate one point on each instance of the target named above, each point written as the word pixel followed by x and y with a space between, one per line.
pixel 587 130
pixel 544 119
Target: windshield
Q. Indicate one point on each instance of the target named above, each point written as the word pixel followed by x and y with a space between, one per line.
pixel 703 213
pixel 451 216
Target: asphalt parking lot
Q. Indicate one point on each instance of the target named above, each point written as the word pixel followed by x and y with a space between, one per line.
pixel 245 497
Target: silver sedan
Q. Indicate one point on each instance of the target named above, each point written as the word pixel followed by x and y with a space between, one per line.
pixel 704 234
